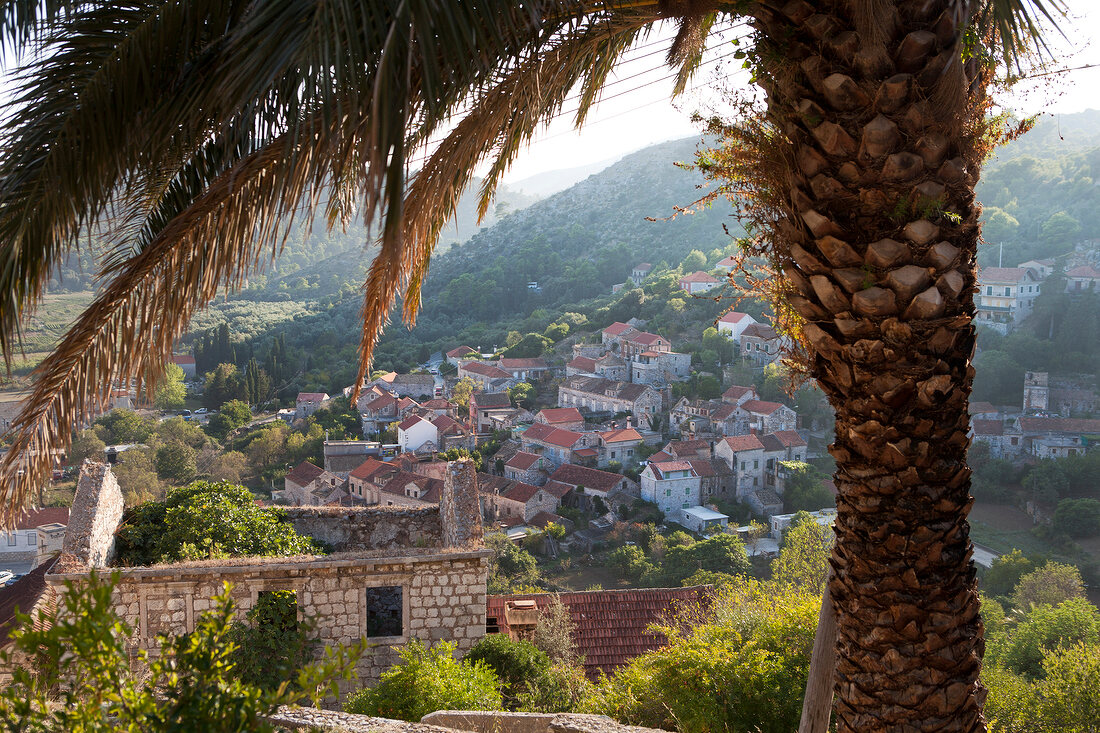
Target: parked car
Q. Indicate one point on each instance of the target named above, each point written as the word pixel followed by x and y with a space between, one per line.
pixel 6 576
pixel 200 411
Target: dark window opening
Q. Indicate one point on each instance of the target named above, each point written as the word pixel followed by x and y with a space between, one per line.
pixel 385 611
pixel 275 609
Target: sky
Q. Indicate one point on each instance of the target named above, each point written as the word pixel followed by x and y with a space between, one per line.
pixel 636 112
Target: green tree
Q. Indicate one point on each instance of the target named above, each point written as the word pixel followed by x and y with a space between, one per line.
pixel 804 560
pixel 1060 230
pixel 176 462
pixel 460 395
pixel 171 391
pixel 222 385
pixel 86 445
pixel 1077 517
pixel 999 225
pixel 529 346
pixel 630 562
pixel 721 553
pixel 426 680
pixel 191 684
pixel 1046 482
pixel 232 415
pixel 208 519
pixel 272 643
pixel 1045 629
pixel 805 488
pixel 510 566
pixel 555 332
pixel 523 395
pixel 1005 573
pixel 555 632
pixel 694 261
pixel 1049 585
pixel 518 664
pixel 231 466
pixel 126 426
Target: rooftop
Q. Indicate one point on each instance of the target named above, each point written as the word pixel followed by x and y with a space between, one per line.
pixel 522 461
pixel 592 478
pixel 558 415
pixel 739 443
pixel 305 473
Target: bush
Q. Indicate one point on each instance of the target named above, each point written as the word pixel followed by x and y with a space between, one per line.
pixel 426 680
pixel 1044 630
pixel 1050 585
pixel 272 644
pixel 519 665
pixel 722 553
pixel 1077 517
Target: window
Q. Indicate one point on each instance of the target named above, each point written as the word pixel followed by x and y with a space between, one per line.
pixel 742 465
pixel 1008 291
pixel 687 490
pixel 385 611
pixel 756 464
pixel 989 290
pixel 629 451
pixel 668 492
pixel 11 539
pixel 684 505
pixel 32 538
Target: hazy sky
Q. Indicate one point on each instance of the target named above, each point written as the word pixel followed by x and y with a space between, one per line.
pixel 636 111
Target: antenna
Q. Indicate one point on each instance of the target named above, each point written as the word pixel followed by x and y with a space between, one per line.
pixel 1001 255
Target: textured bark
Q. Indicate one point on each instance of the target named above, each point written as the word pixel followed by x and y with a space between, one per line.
pixel 879 242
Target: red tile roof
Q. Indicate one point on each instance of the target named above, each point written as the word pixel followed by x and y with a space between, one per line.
pixel 460 351
pixel 761 407
pixel 727 262
pixel 371 467
pixel 699 277
pixel 789 438
pixel 411 421
pixel 521 492
pixel 620 436
pixel 437 404
pixel 380 403
pixel 32 518
pixel 1083 271
pixel 536 363
pixel 646 339
pixel 687 448
pixel 446 424
pixel 485 400
pixel 585 453
pixel 312 396
pixel 554 436
pixel 662 467
pixel 22 595
pixel 583 363
pixel 760 330
pixel 485 370
pixel 544 518
pixel 643 266
pixel 735 392
pixel 430 488
pixel 557 488
pixel 590 478
pixel 305 473
pixel 183 359
pixel 982 408
pixel 522 461
pixel 611 626
pixel 559 415
pixel 1001 274
pixel 740 443
pixel 661 456
pixel 617 328
pixel 1058 425
pixel 989 427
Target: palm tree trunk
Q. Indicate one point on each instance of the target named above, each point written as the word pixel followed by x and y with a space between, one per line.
pixel 877 231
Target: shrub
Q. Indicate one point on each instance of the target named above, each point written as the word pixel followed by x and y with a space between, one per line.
pixel 518 664
pixel 272 644
pixel 426 680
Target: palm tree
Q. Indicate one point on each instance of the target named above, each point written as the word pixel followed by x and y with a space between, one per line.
pixel 185 136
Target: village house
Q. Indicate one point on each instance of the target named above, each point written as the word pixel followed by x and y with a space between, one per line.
pixel 638 342
pixel 738 396
pixel 1058 437
pixel 511 420
pixel 732 324
pixel 671 485
pixel 450 433
pixel 308 403
pixel 1044 268
pixel 618 445
pixel 186 362
pixel 366 481
pixel 310 485
pixel 765 502
pixel 417 386
pixel 760 344
pixel 640 272
pixel 1002 443
pixel 35 532
pixel 559 446
pixel 608 366
pixel 504 499
pixel 460 354
pixel 383 410
pixel 984 411
pixel 1082 279
pixel 613 334
pixel 1067 395
pixel 744 455
pixel 769 417
pixel 716 480
pixel 490 377
pixel 526 369
pixel 597 395
pixel 440 406
pixel 566 418
pixel 411 489
pixel 530 468
pixel 780 447
pixel 416 432
pixel 341 457
pixel 1006 296
pixel 484 406
pixel 699 282
pixel 576 481
pixel 660 368
pixel 367 394
pixel 778 523
pixel 727 264
pixel 683 450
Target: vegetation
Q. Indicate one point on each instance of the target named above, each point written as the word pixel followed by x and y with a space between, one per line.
pixel 207 520
pixel 272 644
pixel 520 666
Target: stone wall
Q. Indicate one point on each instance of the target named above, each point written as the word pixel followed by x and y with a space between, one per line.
pixel 369 528
pixel 443 597
pixel 460 506
pixel 94 518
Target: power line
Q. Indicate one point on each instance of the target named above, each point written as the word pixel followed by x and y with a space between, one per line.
pixel 1059 71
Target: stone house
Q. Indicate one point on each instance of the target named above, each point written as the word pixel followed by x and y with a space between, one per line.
pixel 406 488
pixel 597 395
pixel 699 282
pixel 310 485
pixel 440 406
pixel 769 417
pixel 614 334
pixel 526 369
pixel 186 362
pixel 559 446
pixel 344 456
pixel 503 499
pixel 416 432
pixel 716 480
pixel 683 450
pixel 566 418
pixel 785 445
pixel 461 353
pixel 744 454
pixel 366 481
pixel 618 445
pixel 1082 279
pixel 992 433
pixel 632 344
pixel 1006 296
pixel 660 368
pixel 576 481
pixel 450 433
pixel 417 386
pixel 395 574
pixel 490 377
pixel 671 485
pixel 484 405
pixel 760 344
pixel 765 501
pixel 530 468
pixel 1059 434
pixel 738 396
pixel 640 272
pixel 308 403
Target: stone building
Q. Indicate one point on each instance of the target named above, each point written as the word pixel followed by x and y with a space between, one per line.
pixel 394 575
pixel 596 395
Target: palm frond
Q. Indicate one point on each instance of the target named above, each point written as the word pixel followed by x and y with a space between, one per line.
pixel 1017 24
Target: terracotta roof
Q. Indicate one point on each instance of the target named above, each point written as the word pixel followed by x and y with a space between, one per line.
pixel 183 359
pixel 617 328
pixel 643 266
pixel 760 330
pixel 663 467
pixel 989 427
pixel 698 277
pixel 661 456
pixel 22 595
pixel 1001 274
pixel 1083 271
pixel 488 484
pixel 380 403
pixel 412 421
pixel 645 338
pixel 305 473
pixel 585 453
pixel 523 461
pixel 485 400
pixel 460 351
pixel 429 487
pixel 727 262
pixel 590 478
pixel 620 436
pixel 388 377
pixel 1058 425
pixel 406 402
pixel 536 363
pixel 446 424
pixel 583 363
pixel 611 626
pixel 682 448
pixel 554 436
pixel 610 359
pixel 544 518
pixel 703 469
pixel 557 488
pixel 761 407
pixel 724 412
pixel 557 415
pixel 312 396
pixel 371 467
pixel 735 392
pixel 485 370
pixel 437 404
pixel 981 408
pixel 424 380
pixel 740 443
pixel 521 492
pixel 32 518
pixel 789 438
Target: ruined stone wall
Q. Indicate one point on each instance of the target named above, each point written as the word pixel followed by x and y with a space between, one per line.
pixel 460 506
pixel 443 597
pixel 369 528
pixel 94 518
